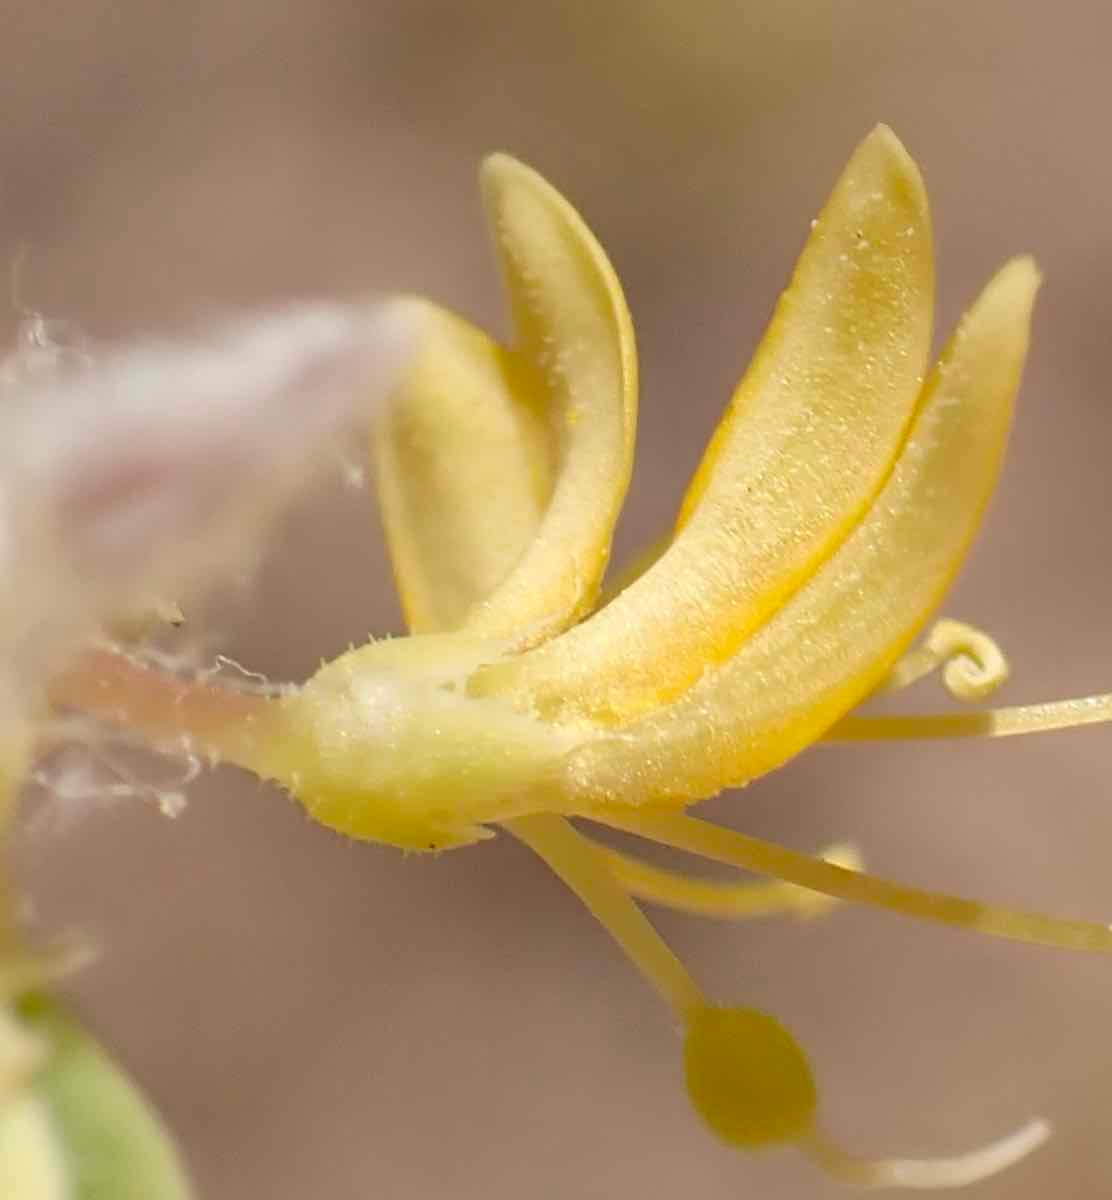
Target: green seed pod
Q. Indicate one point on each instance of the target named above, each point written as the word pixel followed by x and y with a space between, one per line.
pixel 748 1077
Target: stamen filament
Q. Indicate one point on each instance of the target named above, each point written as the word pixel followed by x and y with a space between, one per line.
pixel 723 900
pixel 576 862
pixel 209 718
pixel 926 1173
pixel 766 858
pixel 991 723
pixel 973 665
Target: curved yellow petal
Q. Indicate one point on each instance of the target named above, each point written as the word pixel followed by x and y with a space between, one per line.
pixel 463 468
pixel 809 438
pixel 837 638
pixel 574 330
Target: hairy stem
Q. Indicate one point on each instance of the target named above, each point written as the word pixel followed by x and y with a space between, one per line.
pixel 212 719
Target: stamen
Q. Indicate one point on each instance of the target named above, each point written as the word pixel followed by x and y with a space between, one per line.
pixel 926 1173
pixel 217 721
pixel 991 723
pixel 973 665
pixel 765 858
pixel 727 901
pixel 575 861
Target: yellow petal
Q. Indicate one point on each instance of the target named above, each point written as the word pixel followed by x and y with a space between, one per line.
pixel 838 637
pixel 808 440
pixel 573 328
pixel 463 468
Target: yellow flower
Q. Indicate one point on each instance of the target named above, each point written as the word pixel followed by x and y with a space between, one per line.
pixel 831 512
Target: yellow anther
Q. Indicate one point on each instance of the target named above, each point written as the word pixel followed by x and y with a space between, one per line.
pixel 748 1078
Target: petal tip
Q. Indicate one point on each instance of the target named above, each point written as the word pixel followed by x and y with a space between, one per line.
pixel 1023 272
pixel 499 170
pixel 883 133
pixel 1010 294
pixel 883 139
pixel 881 152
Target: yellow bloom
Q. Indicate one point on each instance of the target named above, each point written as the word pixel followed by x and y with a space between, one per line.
pixel 831 512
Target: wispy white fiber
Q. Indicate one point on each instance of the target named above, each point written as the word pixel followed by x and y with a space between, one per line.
pixel 148 470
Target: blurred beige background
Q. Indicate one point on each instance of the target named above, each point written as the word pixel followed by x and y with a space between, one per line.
pixel 323 1019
